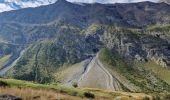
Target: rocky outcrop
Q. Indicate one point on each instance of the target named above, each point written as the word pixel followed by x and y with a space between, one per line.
pixel 9 97
pixel 141 47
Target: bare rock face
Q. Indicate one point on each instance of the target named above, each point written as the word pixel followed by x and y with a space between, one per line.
pixel 140 47
pixel 9 97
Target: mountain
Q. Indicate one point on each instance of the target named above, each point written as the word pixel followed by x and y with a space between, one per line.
pixel 166 1
pixel 120 47
pixel 7 5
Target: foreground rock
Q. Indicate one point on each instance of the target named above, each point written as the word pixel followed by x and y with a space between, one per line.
pixel 9 97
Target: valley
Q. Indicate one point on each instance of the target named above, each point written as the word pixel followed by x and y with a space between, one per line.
pixel 119 50
pixel 11 62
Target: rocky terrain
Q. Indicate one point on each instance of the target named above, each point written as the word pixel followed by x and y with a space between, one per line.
pixel 60 35
pixel 8 97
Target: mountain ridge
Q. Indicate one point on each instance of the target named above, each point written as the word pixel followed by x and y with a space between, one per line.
pixel 7 5
pixel 69 7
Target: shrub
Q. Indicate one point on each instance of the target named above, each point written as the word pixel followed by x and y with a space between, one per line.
pixel 89 95
pixel 75 84
pixel 146 98
pixel 3 84
pixel 167 97
pixel 156 98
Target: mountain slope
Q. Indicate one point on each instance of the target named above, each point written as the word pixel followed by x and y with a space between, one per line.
pixel 166 1
pixel 63 34
pixel 28 90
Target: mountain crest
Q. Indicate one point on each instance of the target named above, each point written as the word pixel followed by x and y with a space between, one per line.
pixel 62 1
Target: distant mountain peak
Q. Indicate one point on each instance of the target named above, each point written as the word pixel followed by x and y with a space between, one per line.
pixel 61 1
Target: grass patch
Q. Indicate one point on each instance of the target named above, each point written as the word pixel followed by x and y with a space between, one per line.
pixel 36 94
pixel 159 28
pixel 25 84
pixel 4 59
pixel 161 72
pixel 29 91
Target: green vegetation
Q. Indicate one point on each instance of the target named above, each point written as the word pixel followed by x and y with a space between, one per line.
pixel 25 84
pixel 133 71
pixel 3 84
pixel 4 59
pixel 75 84
pixel 42 59
pixel 12 87
pixel 161 72
pixel 89 95
pixel 112 29
pixel 39 63
pixel 159 28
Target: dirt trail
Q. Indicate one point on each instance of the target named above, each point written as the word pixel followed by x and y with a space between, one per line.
pixel 97 76
pixel 112 82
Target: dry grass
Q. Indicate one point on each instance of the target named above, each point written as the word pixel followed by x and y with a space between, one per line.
pixel 41 94
pixel 109 95
pixel 33 91
pixel 36 94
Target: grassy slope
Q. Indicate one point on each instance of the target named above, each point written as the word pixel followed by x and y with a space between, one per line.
pixel 37 94
pixel 135 73
pixel 162 73
pixel 159 28
pixel 28 90
pixel 67 71
pixel 23 84
pixel 4 59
